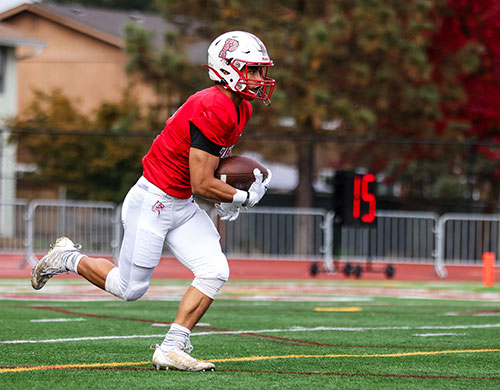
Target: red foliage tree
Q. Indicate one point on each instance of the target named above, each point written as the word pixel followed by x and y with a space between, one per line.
pixel 472 25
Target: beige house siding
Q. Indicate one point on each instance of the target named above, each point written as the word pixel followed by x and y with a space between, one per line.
pixel 87 70
pixel 10 40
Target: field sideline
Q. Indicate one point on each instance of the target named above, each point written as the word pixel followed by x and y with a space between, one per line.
pixel 260 334
pixel 14 266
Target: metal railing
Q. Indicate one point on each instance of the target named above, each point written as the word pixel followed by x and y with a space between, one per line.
pixel 267 233
pixel 13 226
pixel 263 232
pixel 463 238
pixel 93 224
pixel 398 236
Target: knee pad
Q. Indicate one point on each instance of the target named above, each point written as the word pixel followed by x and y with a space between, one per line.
pixel 208 286
pixel 119 288
pixel 113 284
pixel 135 290
pixel 215 267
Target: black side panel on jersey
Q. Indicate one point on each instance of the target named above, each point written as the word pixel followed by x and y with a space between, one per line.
pixel 199 141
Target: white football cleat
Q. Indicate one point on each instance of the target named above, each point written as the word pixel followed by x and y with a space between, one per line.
pixel 52 263
pixel 176 359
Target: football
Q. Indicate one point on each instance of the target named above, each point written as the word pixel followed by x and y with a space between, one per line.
pixel 237 171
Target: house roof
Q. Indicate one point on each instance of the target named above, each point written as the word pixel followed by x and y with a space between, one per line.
pixel 12 38
pixel 102 24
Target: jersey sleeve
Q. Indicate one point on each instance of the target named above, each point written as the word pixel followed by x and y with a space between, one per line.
pixel 216 124
pixel 199 141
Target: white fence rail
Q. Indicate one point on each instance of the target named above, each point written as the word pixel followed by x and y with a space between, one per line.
pixel 13 226
pixel 398 236
pixel 93 224
pixel 463 238
pixel 267 233
pixel 275 233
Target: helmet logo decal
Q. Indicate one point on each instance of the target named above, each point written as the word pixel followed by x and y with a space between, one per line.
pixel 229 46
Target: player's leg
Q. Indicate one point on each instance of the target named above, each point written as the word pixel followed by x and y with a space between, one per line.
pixel 192 307
pixel 65 256
pixel 95 270
pixel 142 245
pixel 195 244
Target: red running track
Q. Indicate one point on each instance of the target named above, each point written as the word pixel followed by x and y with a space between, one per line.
pixel 11 266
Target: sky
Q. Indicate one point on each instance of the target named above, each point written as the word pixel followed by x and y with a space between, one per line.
pixel 7 4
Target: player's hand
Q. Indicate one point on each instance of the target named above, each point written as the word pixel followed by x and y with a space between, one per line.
pixel 227 211
pixel 258 188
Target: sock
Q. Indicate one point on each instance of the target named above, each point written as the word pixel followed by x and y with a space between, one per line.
pixel 71 259
pixel 175 337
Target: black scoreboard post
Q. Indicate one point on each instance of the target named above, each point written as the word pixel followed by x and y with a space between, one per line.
pixel 354 202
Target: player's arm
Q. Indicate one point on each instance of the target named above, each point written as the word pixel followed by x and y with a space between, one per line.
pixel 203 161
pixel 202 166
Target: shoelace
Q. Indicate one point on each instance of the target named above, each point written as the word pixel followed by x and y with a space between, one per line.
pixel 76 246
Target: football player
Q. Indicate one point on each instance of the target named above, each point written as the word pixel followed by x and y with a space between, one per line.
pixel 160 207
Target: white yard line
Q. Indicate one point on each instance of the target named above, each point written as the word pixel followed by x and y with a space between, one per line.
pixel 486 314
pixel 439 334
pixel 293 329
pixel 58 320
pixel 135 336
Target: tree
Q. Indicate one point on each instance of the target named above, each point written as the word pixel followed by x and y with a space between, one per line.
pixel 99 161
pixel 368 66
pixel 361 63
pixel 167 69
pixel 472 25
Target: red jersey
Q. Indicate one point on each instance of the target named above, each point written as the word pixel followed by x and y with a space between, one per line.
pixel 166 165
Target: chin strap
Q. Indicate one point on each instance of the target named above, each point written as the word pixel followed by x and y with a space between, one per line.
pixel 266 102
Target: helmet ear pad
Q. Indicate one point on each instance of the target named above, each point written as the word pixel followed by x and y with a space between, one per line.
pixel 233 75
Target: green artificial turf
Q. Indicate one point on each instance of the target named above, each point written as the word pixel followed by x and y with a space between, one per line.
pixel 389 343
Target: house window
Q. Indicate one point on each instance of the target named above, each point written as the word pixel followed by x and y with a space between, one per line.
pixel 3 68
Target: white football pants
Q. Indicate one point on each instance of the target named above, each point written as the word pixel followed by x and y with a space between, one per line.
pixel 151 218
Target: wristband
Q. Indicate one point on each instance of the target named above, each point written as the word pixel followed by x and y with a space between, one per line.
pixel 240 197
pixel 245 203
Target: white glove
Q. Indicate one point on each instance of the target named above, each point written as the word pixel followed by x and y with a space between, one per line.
pixel 227 211
pixel 258 188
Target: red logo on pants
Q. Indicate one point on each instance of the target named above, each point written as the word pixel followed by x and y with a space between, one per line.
pixel 158 207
